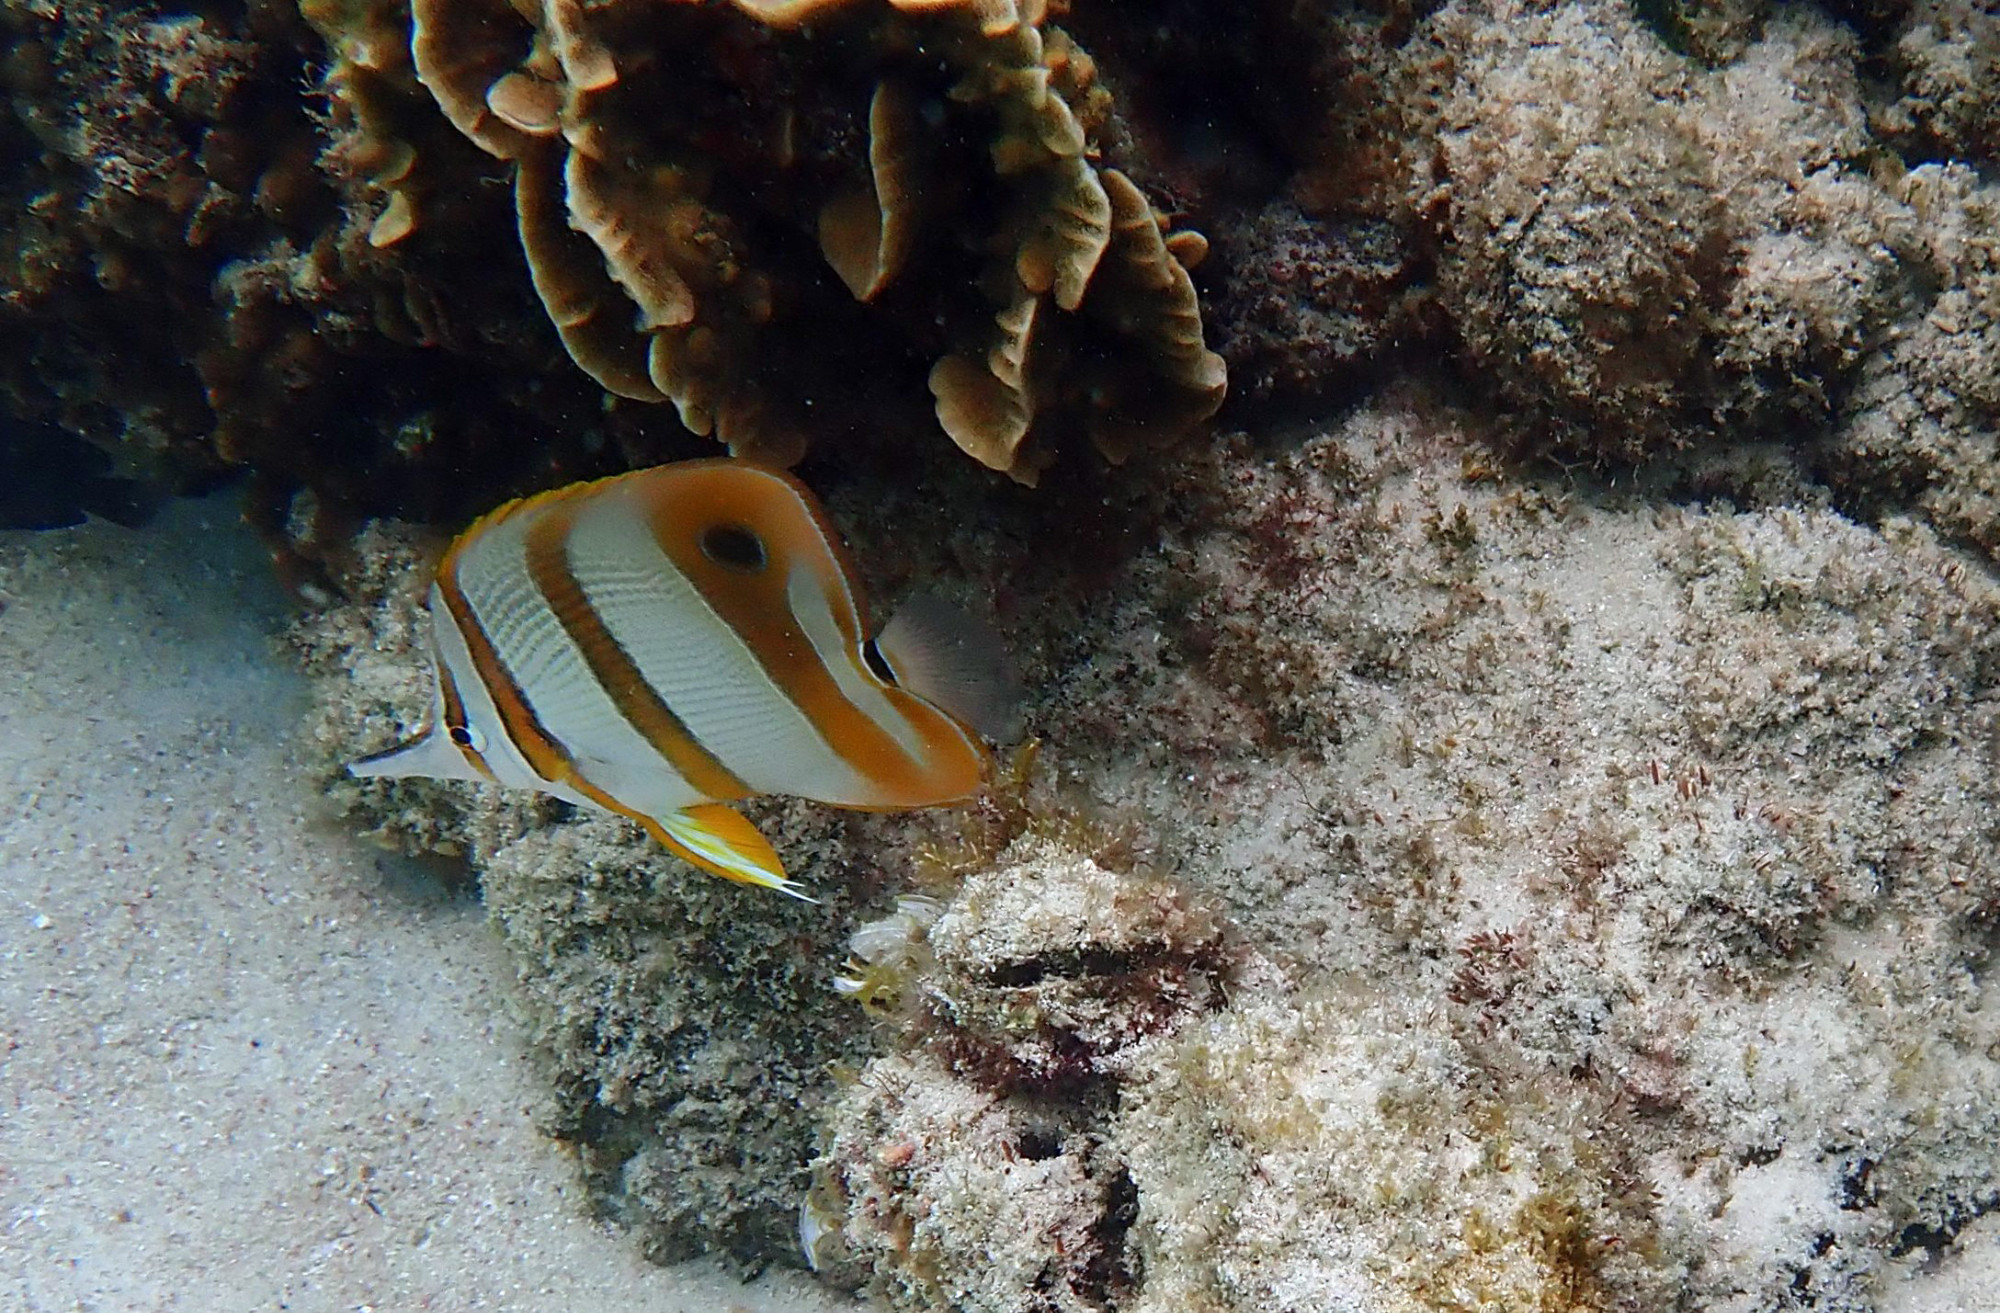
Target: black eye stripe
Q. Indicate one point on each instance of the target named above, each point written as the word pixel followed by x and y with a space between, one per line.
pixel 871 654
pixel 735 547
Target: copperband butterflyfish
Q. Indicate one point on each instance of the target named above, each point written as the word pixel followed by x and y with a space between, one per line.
pixel 662 643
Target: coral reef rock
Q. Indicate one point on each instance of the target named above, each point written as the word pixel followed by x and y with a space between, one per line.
pixel 1948 56
pixel 1049 967
pixel 1696 250
pixel 1653 230
pixel 1654 839
pixel 1560 886
pixel 1922 424
pixel 973 1172
pixel 1343 1153
pixel 947 1197
pixel 689 1042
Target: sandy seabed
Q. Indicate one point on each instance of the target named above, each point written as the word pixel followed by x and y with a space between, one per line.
pixel 249 1062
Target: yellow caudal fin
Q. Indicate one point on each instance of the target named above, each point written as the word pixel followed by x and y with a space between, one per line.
pixel 718 839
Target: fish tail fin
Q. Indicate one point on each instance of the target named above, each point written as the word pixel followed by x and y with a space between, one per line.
pixel 431 756
pixel 718 839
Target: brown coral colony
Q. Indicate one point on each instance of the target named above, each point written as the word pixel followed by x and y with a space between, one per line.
pixel 646 189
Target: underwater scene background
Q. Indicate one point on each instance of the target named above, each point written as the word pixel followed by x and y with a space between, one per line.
pixel 1493 511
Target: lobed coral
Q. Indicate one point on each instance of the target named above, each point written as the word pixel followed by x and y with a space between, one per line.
pixel 187 286
pixel 205 264
pixel 672 164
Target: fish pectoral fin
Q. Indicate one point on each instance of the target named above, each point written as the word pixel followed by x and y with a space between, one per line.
pixel 957 661
pixel 719 840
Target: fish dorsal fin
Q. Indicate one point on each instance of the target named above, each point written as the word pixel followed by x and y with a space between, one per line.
pixel 955 661
pixel 718 839
pixel 432 757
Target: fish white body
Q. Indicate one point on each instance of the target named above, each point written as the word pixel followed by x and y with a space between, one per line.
pixel 659 643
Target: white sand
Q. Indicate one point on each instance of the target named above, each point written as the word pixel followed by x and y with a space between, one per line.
pixel 248 1062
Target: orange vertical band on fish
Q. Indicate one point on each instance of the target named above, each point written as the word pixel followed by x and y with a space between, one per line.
pixel 659 643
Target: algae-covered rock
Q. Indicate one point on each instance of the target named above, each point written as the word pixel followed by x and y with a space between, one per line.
pixel 944 1196
pixel 1948 58
pixel 974 1171
pixel 1345 1153
pixel 1047 968
pixel 689 1040
pixel 1667 829
pixel 1576 894
pixel 1921 425
pixel 1646 251
pixel 1591 235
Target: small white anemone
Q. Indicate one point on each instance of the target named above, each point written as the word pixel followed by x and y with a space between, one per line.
pixel 819 1227
pixel 892 940
pixel 889 947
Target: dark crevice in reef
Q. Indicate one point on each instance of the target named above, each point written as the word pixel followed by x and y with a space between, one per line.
pixel 1081 964
pixel 1935 1238
pixel 1116 1271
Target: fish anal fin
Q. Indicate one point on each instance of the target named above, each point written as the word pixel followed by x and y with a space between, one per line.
pixel 718 840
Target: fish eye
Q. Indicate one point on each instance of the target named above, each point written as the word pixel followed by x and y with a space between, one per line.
pixel 466 737
pixel 734 546
pixel 878 665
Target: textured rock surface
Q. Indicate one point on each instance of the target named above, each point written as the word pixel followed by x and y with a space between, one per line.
pixel 1629 865
pixel 1642 845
